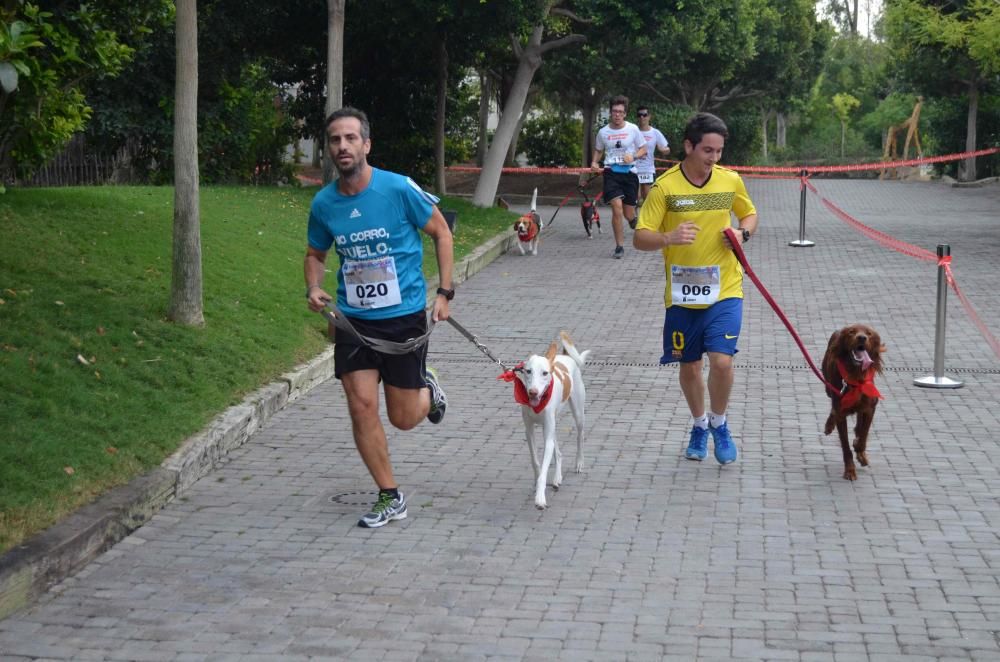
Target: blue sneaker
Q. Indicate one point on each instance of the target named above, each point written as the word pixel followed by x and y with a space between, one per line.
pixel 698 446
pixel 725 449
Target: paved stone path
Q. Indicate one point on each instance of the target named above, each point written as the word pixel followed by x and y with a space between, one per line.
pixel 645 556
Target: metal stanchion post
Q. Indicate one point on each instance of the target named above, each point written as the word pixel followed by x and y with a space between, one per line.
pixel 802 242
pixel 938 380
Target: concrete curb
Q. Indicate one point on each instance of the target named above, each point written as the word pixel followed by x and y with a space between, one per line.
pixel 29 570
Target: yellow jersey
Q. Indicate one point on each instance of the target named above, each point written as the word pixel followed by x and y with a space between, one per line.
pixel 705 271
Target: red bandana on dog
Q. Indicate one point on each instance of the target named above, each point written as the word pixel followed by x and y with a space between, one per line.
pixel 856 389
pixel 521 393
pixel 530 233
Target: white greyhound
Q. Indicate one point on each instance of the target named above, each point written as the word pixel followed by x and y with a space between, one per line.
pixel 549 382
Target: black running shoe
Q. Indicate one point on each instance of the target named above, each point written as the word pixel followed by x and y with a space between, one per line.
pixel 619 252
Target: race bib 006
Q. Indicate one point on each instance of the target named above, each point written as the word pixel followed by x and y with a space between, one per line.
pixel 371 283
pixel 694 285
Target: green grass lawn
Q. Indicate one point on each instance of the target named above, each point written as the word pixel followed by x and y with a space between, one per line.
pixel 96 386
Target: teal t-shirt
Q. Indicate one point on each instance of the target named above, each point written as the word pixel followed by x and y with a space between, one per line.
pixel 376 235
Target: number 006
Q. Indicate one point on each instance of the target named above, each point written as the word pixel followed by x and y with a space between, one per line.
pixel 697 290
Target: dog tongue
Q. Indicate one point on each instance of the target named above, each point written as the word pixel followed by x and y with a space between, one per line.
pixel 861 356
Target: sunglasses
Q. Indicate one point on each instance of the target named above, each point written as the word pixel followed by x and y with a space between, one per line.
pixel 643 114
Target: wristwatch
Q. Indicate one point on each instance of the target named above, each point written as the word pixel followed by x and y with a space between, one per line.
pixel 447 294
pixel 746 235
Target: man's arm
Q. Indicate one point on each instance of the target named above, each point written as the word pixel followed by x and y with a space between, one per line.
pixel 315 271
pixel 749 223
pixel 645 239
pixel 437 229
pixel 595 163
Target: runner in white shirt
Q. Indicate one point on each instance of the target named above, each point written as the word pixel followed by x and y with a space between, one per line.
pixel 645 167
pixel 621 144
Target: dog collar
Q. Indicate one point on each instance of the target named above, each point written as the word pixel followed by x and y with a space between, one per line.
pixel 521 393
pixel 528 234
pixel 853 390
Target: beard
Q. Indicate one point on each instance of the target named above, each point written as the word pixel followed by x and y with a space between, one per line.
pixel 353 168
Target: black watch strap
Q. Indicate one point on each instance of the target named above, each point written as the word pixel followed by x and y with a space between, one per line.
pixel 746 235
pixel 447 294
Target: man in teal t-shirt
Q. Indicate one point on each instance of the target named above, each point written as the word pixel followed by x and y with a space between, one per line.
pixel 372 219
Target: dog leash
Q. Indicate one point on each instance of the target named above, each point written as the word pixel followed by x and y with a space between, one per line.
pixel 341 322
pixel 561 205
pixel 475 341
pixel 742 258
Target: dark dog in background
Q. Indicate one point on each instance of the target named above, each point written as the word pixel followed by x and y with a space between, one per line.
pixel 853 358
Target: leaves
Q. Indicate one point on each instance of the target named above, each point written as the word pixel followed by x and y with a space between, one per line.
pixel 8 77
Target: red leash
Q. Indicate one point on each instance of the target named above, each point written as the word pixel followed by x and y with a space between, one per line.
pixel 741 256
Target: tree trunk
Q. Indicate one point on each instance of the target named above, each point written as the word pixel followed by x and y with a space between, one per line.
pixel 764 116
pixel 485 98
pixel 781 125
pixel 440 186
pixel 334 72
pixel 529 59
pixel 589 115
pixel 969 174
pixel 843 137
pixel 489 178
pixel 186 282
pixel 511 159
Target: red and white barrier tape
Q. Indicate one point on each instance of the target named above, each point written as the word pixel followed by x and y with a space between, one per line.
pixel 919 253
pixel 795 170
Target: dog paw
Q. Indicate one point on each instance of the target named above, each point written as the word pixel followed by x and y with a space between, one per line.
pixel 579 466
pixel 863 459
pixel 850 474
pixel 540 505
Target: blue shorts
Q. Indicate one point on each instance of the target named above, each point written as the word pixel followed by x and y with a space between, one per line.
pixel 690 332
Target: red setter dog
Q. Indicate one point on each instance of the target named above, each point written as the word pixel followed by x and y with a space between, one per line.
pixel 853 358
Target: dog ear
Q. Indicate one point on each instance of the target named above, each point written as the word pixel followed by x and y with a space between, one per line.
pixel 834 344
pixel 551 354
pixel 879 349
pixel 830 357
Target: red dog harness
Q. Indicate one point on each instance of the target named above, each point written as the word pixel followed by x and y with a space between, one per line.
pixel 853 390
pixel 530 233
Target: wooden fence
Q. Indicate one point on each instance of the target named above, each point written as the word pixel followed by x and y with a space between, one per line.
pixel 76 166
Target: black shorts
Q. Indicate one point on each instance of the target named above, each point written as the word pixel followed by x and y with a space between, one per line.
pixel 624 185
pixel 399 370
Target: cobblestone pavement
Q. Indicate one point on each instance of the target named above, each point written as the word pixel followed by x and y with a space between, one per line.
pixel 645 556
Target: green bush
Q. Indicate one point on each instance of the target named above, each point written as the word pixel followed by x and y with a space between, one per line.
pixel 243 138
pixel 552 140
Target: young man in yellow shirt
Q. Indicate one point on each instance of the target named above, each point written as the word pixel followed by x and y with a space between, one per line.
pixel 684 217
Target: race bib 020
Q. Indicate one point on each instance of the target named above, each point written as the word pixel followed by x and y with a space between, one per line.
pixel 371 283
pixel 694 285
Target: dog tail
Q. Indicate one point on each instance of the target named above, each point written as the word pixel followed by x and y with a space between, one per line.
pixel 534 199
pixel 571 351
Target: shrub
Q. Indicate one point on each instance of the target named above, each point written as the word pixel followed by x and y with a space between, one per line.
pixel 552 140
